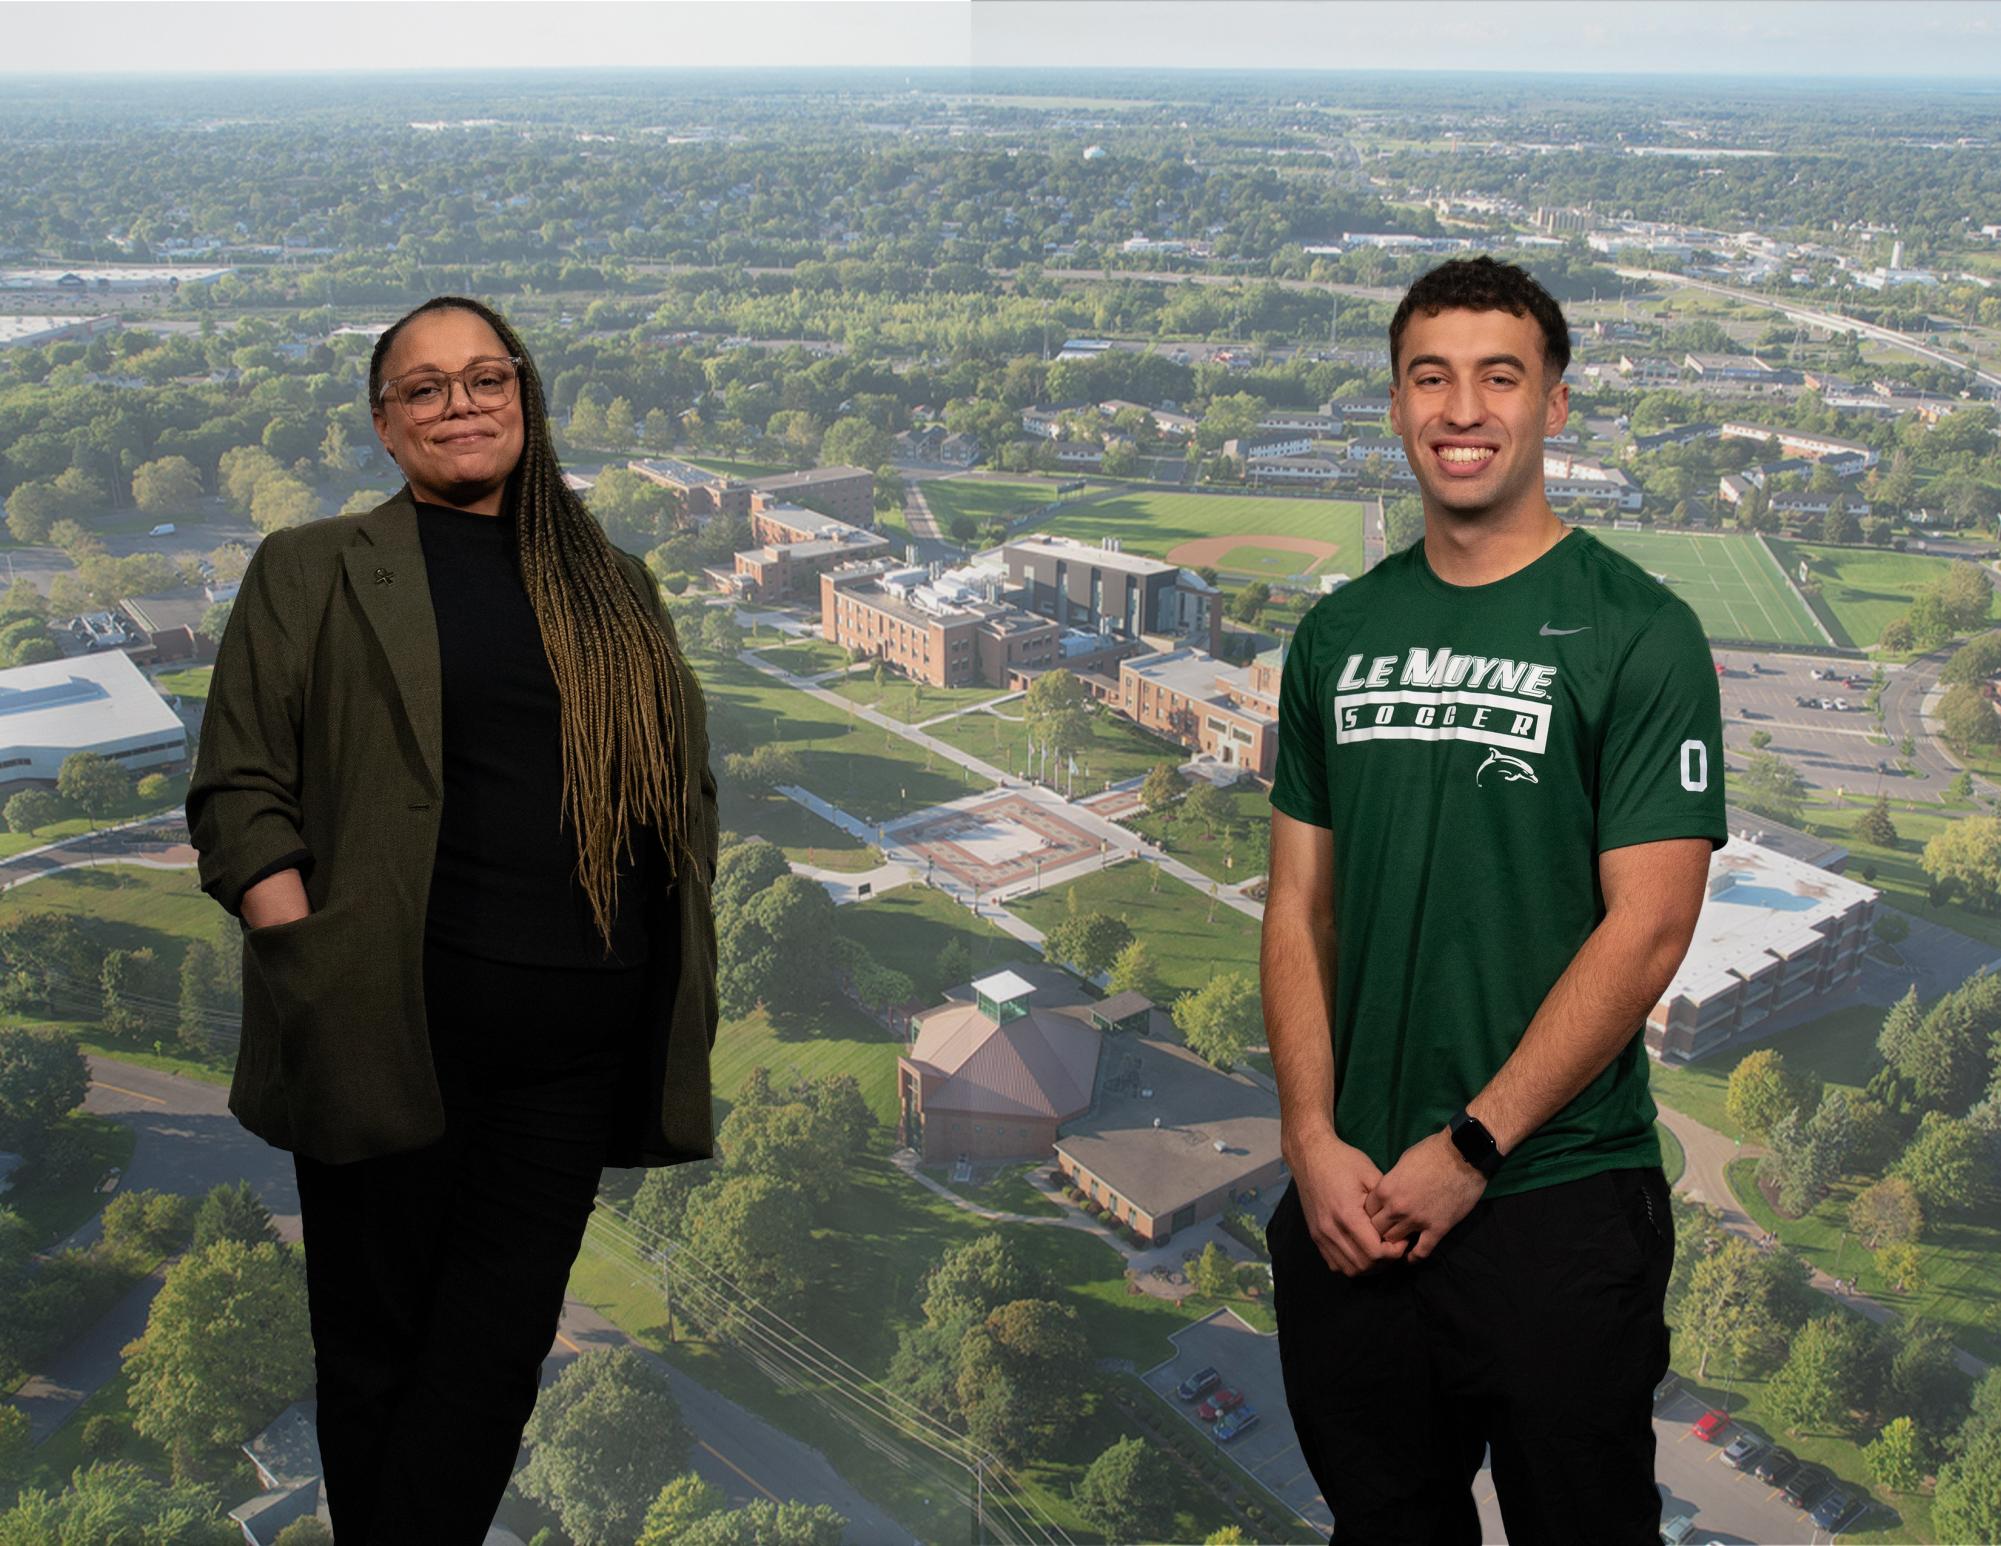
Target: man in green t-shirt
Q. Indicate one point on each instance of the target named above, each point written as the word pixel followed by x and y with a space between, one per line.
pixel 1499 782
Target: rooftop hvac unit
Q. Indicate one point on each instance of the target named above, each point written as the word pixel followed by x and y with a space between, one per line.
pixel 1146 1095
pixel 1156 1121
pixel 1220 1147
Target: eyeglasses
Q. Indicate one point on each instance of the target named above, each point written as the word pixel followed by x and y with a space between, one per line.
pixel 425 394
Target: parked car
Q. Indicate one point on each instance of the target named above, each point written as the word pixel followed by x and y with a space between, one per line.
pixel 1807 1484
pixel 1839 1509
pixel 1670 1383
pixel 164 529
pixel 1220 1400
pixel 1841 704
pixel 1803 700
pixel 1775 1465
pixel 1817 674
pixel 1235 1424
pixel 1858 684
pixel 1746 1449
pixel 1198 1383
pixel 1710 1425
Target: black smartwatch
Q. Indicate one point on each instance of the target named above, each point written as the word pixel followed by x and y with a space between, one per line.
pixel 1476 1143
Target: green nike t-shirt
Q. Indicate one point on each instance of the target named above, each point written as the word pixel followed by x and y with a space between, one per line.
pixel 1473 749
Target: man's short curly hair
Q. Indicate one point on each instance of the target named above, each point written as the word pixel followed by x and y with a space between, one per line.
pixel 1481 284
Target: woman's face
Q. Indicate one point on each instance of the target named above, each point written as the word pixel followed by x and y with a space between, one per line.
pixel 462 457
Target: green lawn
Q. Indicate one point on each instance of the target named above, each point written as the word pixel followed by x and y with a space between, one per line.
pixel 1899 873
pixel 907 929
pixel 872 773
pixel 1731 581
pixel 1154 523
pixel 1957 1285
pixel 131 906
pixel 739 468
pixel 1840 1047
pixel 53 1213
pixel 1862 589
pixel 1118 749
pixel 1008 1191
pixel 190 682
pixel 836 1039
pixel 1187 948
pixel 988 499
pixel 912 702
pixel 806 657
pixel 126 907
pixel 171 800
pixel 1250 809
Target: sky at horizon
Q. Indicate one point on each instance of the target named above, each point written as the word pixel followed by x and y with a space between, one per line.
pixel 1920 40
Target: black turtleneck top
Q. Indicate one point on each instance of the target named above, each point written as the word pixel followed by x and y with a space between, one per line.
pixel 503 885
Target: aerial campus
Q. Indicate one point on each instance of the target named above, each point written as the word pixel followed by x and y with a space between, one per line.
pixel 988 447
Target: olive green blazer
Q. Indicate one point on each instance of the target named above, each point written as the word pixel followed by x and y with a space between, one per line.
pixel 324 732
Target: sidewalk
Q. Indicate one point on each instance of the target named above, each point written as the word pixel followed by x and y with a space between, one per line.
pixel 1708 1152
pixel 1118 840
pixel 1147 1264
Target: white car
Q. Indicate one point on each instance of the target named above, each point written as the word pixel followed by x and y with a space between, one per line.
pixel 1841 704
pixel 164 529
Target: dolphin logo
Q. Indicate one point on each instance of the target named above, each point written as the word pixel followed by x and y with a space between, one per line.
pixel 1512 769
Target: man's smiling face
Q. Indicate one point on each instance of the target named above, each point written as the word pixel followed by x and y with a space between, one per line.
pixel 1472 404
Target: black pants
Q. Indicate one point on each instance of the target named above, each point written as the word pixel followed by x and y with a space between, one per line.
pixel 1535 1327
pixel 436 1277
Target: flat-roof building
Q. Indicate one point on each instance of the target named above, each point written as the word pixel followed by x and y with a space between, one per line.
pixel 846 493
pixel 98 703
pixel 1217 710
pixel 947 628
pixel 797 546
pixel 1105 589
pixel 1799 442
pixel 1775 933
pixel 704 494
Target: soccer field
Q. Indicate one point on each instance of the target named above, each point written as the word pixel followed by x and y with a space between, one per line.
pixel 1157 523
pixel 1733 583
pixel 985 499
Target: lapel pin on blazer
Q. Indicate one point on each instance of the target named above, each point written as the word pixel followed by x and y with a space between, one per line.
pixel 385 576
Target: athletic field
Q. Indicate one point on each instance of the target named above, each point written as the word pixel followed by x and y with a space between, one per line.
pixel 1861 589
pixel 1231 530
pixel 1731 581
pixel 985 499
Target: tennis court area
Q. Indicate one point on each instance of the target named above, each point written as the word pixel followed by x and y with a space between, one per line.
pixel 1733 582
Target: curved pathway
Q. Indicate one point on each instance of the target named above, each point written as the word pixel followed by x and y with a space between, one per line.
pixel 1141 1261
pixel 1704 1180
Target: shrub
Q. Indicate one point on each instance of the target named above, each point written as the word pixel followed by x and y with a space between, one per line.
pixel 102 1437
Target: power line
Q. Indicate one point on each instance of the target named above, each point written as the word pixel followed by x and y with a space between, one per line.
pixel 828 1364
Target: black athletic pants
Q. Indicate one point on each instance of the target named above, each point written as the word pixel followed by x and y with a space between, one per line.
pixel 1535 1327
pixel 436 1277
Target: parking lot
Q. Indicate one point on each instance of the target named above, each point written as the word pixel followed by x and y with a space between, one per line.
pixel 1728 1506
pixel 1830 748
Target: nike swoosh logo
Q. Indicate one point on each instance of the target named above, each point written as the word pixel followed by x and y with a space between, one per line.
pixel 1546 629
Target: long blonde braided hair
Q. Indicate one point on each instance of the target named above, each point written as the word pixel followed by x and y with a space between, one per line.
pixel 623 694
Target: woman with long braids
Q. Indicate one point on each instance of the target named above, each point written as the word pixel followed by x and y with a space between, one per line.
pixel 453 781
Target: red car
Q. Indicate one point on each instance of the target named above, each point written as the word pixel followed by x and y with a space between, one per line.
pixel 1710 1425
pixel 1217 1402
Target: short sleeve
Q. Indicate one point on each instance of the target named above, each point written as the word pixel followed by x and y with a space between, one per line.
pixel 1299 783
pixel 1660 761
